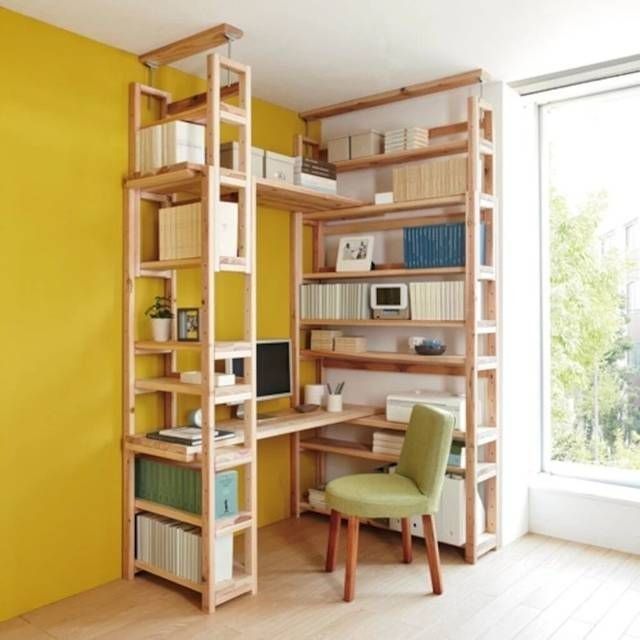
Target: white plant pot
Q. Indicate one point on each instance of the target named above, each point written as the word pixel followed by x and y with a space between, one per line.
pixel 161 329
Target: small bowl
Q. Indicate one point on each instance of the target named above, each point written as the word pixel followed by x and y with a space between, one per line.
pixel 430 350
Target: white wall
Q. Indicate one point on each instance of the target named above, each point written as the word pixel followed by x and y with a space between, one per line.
pixel 520 397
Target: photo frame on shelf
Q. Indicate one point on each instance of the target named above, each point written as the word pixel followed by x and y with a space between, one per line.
pixel 189 324
pixel 355 253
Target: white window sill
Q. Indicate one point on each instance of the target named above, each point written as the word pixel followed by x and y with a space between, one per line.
pixel 585 488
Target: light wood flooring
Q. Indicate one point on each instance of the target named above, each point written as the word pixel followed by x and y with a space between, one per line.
pixel 535 588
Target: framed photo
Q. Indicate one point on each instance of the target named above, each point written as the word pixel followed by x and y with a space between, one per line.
pixel 189 324
pixel 355 253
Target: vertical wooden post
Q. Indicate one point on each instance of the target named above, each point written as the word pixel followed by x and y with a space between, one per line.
pixel 131 212
pixel 210 197
pixel 472 219
pixel 135 120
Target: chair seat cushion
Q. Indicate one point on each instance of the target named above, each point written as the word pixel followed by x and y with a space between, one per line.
pixel 376 495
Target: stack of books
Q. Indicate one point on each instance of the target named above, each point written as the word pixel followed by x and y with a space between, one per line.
pixel 438 245
pixel 162 145
pixel 315 174
pixel 387 443
pixel 179 231
pixel 317 498
pixel 340 301
pixel 436 178
pixel 437 300
pixel 404 139
pixel 173 546
pixel 188 436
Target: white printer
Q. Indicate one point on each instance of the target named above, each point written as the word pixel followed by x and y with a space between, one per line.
pixel 399 405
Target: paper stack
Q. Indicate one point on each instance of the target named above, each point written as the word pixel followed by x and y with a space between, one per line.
pixel 317 498
pixel 350 344
pixel 315 174
pixel 323 340
pixel 387 443
pixel 404 139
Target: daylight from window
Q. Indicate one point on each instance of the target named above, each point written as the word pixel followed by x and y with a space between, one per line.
pixel 591 169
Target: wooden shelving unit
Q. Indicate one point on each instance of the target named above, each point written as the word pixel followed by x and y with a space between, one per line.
pixel 206 184
pixel 478 365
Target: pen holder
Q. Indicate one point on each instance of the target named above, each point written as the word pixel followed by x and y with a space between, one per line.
pixel 334 403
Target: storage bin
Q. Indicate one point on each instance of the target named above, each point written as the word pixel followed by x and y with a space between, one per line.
pixel 278 167
pixel 230 158
pixel 338 149
pixel 367 143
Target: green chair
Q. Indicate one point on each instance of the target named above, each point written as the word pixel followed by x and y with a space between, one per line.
pixel 413 490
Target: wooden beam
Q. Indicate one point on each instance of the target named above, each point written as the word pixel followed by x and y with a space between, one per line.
pixel 396 95
pixel 191 45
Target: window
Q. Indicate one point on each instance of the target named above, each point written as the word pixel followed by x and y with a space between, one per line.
pixel 592 285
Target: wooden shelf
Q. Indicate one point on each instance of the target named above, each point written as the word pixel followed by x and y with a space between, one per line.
pixel 383 273
pixel 374 210
pixel 240 583
pixel 289 197
pixel 222 350
pixel 438 150
pixel 226 264
pixel 168 512
pixel 167 575
pixel 232 393
pixel 386 356
pixel 486 542
pixel 484 435
pixel 233 524
pixel 444 324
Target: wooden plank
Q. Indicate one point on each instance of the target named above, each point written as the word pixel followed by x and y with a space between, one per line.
pixel 240 584
pixel 289 197
pixel 167 384
pixel 435 150
pixel 388 223
pixel 168 512
pixel 388 356
pixel 191 45
pixel 223 350
pixel 233 524
pixel 396 95
pixel 198 103
pixel 373 210
pixel 373 322
pixel 383 273
pixel 157 571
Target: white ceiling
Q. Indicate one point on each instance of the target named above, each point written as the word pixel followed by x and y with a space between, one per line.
pixel 308 53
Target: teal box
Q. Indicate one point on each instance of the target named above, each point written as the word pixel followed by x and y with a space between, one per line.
pixel 181 488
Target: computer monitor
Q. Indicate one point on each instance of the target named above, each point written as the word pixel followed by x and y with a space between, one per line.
pixel 273 369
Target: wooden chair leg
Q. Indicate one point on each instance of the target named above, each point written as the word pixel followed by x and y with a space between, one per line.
pixel 353 527
pixel 334 536
pixel 407 547
pixel 433 555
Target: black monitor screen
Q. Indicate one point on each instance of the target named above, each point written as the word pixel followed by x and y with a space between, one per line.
pixel 273 375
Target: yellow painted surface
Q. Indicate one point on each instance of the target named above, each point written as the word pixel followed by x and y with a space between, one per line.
pixel 63 127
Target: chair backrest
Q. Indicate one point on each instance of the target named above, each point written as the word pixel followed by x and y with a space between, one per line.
pixel 425 451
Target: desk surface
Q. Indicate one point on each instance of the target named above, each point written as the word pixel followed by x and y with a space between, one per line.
pixel 290 421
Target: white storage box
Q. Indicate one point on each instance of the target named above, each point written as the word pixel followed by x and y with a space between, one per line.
pixel 278 166
pixel 399 406
pixel 170 143
pixel 219 379
pixel 451 519
pixel 367 143
pixel 224 558
pixel 230 158
pixel 338 149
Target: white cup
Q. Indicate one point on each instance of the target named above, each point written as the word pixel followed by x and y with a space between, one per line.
pixel 314 393
pixel 334 403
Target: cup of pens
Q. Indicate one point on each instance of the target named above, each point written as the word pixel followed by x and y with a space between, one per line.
pixel 334 398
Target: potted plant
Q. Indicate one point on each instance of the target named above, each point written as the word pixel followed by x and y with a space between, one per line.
pixel 161 315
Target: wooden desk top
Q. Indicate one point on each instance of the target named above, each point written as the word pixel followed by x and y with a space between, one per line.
pixel 290 421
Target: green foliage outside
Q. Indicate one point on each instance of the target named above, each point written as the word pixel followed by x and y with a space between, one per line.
pixel 594 396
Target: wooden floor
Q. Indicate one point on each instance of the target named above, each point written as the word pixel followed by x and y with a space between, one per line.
pixel 533 589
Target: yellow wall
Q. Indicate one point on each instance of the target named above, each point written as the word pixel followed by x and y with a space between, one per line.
pixel 63 152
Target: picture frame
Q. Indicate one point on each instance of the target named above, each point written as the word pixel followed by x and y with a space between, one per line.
pixel 189 324
pixel 355 253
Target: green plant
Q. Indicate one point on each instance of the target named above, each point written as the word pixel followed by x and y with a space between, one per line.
pixel 161 308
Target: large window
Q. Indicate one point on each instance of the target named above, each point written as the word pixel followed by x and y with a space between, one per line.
pixel 590 169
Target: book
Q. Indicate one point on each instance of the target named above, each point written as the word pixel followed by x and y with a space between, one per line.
pixel 188 436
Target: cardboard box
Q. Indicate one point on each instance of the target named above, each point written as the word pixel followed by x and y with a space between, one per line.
pixel 338 149
pixel 367 143
pixel 278 167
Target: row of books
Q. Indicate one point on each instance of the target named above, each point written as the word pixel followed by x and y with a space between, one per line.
pixel 437 300
pixel 166 144
pixel 181 487
pixel 430 179
pixel 438 245
pixel 168 544
pixel 179 230
pixel 315 174
pixel 339 301
pixel 403 139
pixel 391 444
